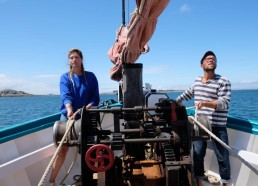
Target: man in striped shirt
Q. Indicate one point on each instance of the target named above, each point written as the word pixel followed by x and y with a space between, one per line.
pixel 211 93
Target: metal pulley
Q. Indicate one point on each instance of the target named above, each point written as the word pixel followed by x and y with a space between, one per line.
pixel 59 130
pixel 198 132
pixel 204 120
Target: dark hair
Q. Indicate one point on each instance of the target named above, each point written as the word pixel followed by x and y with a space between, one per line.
pixel 208 53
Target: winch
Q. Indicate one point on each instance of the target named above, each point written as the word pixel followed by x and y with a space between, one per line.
pixel 143 139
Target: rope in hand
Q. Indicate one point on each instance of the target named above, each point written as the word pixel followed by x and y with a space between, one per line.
pixel 70 123
pixel 224 145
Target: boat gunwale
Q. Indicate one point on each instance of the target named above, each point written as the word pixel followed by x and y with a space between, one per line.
pixel 22 129
pixel 28 127
pixel 237 123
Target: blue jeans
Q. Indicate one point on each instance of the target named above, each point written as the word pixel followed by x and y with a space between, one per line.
pixel 222 154
pixel 63 118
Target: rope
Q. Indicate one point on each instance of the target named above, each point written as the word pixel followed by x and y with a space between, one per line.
pixel 139 10
pixel 71 122
pixel 128 183
pixel 196 129
pixel 225 145
pixel 187 108
pixel 70 168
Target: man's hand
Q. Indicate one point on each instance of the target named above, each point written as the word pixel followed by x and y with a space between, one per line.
pixel 211 104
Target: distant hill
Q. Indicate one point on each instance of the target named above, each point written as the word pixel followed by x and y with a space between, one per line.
pixel 13 93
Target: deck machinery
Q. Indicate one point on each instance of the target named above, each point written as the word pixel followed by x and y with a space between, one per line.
pixel 148 144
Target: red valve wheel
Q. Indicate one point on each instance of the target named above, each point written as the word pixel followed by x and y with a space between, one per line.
pixel 99 158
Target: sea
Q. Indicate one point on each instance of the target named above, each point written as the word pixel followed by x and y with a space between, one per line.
pixel 16 110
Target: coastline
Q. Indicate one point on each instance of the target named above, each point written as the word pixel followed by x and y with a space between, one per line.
pixel 17 93
pixel 13 93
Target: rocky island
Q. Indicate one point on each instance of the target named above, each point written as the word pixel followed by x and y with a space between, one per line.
pixel 13 93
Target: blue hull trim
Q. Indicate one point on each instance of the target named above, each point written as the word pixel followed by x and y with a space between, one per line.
pixel 237 123
pixel 22 129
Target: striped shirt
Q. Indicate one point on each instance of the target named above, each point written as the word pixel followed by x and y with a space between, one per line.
pixel 218 88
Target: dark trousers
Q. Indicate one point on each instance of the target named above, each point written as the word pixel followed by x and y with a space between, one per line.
pixel 222 154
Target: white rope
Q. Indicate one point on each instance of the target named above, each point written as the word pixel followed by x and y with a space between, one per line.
pixel 70 168
pixel 225 145
pixel 187 108
pixel 71 121
pixel 196 129
pixel 128 183
pixel 139 11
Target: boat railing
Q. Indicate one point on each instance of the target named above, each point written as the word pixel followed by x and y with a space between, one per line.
pixel 22 129
pixel 238 123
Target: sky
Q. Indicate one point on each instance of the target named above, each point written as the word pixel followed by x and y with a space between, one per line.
pixel 36 35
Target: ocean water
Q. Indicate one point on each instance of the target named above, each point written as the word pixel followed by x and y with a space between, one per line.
pixel 15 110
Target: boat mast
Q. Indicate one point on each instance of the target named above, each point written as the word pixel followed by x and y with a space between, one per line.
pixel 123 12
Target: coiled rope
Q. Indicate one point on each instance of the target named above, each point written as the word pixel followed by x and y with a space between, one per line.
pixel 70 123
pixel 224 145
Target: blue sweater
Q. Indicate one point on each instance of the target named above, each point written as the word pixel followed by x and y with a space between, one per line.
pixel 78 92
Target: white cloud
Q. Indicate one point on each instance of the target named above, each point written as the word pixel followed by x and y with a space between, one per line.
pixel 185 8
pixel 4 80
pixel 244 84
pixel 31 85
pixel 48 76
pixel 2 76
pixel 248 81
